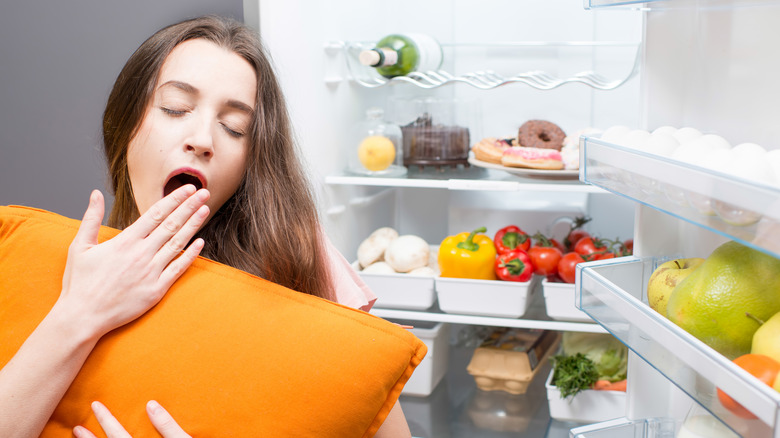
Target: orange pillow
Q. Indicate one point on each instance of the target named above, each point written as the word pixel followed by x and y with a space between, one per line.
pixel 227 353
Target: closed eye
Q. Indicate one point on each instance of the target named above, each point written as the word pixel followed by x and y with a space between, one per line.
pixel 232 132
pixel 172 112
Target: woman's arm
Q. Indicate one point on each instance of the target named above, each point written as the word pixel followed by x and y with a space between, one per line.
pixel 104 286
pixel 395 425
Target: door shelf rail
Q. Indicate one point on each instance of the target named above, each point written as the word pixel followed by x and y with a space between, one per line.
pixel 739 209
pixel 486 79
pixel 662 5
pixel 614 294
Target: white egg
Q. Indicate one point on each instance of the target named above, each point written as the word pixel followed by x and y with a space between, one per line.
pixel 749 148
pixel 685 134
pixel 709 142
pixel 773 158
pixel 667 130
pixel 615 134
pixel 688 153
pixel 718 160
pixel 636 139
pixel 661 144
pixel 751 167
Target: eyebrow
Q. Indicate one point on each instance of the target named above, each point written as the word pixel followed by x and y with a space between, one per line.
pixel 189 89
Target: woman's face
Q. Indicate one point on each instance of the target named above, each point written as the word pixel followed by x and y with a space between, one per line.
pixel 196 127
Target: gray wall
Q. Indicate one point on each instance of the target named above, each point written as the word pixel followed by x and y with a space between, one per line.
pixel 58 61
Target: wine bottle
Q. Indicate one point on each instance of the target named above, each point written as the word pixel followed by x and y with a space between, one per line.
pixel 401 54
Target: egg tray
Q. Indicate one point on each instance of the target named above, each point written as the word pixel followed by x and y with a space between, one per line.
pixel 510 358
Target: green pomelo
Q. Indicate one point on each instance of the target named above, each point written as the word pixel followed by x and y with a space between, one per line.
pixel 720 302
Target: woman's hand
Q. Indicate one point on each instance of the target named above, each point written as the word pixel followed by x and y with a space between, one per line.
pixel 110 284
pixel 161 419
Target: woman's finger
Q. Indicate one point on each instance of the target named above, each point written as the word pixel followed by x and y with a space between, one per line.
pixel 110 425
pixel 179 227
pixel 176 268
pixel 82 432
pixel 90 224
pixel 163 422
pixel 159 211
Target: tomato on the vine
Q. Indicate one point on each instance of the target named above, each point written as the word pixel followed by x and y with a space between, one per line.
pixel 567 266
pixel 574 237
pixel 763 367
pixel 545 259
pixel 558 245
pixel 589 245
pixel 603 255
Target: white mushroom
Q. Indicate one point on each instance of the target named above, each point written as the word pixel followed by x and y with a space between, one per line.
pixel 425 271
pixel 373 248
pixel 378 268
pixel 407 253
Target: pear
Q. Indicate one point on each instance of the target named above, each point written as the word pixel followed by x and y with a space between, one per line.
pixel 722 301
pixel 665 278
pixel 766 340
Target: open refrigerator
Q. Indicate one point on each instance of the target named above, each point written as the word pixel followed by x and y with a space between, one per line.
pixel 707 64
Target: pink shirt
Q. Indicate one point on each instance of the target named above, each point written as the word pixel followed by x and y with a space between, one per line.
pixel 351 290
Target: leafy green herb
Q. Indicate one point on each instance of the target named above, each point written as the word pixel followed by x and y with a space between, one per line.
pixel 572 374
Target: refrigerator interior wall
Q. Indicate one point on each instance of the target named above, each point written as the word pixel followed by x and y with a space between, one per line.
pixel 303 38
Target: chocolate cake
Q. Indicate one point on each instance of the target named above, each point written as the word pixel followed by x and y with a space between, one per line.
pixel 425 143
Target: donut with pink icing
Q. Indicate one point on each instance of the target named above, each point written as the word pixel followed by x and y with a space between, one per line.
pixel 490 149
pixel 532 158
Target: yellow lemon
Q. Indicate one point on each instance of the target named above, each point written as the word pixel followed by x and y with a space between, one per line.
pixel 766 340
pixel 376 153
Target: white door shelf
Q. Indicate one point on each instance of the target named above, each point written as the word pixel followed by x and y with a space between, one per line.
pixel 715 201
pixel 614 294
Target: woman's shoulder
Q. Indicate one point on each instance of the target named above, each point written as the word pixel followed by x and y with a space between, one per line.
pixel 350 290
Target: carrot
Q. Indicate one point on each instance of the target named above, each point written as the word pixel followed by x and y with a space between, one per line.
pixel 606 385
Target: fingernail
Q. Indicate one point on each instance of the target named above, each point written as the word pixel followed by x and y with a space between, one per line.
pixel 153 407
pixel 77 431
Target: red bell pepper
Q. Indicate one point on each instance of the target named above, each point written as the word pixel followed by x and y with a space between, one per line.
pixel 514 265
pixel 510 238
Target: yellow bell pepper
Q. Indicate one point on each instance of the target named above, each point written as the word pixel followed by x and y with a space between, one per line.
pixel 468 255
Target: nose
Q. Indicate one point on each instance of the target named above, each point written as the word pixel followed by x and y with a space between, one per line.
pixel 201 142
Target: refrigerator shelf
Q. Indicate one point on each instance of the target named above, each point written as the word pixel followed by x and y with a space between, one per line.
pixel 551 77
pixel 735 208
pixel 534 318
pixel 614 293
pixel 471 178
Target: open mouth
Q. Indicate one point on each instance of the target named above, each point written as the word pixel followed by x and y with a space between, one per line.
pixel 180 179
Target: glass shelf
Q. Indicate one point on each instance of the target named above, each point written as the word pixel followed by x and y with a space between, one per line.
pixel 489 79
pixel 738 209
pixel 468 178
pixel 614 294
pixel 633 4
pixel 535 318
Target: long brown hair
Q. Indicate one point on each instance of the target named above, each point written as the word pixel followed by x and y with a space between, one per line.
pixel 269 227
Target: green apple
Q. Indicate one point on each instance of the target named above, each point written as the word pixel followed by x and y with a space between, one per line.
pixel 665 278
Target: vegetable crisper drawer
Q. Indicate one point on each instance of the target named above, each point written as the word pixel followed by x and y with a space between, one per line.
pixel 614 293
